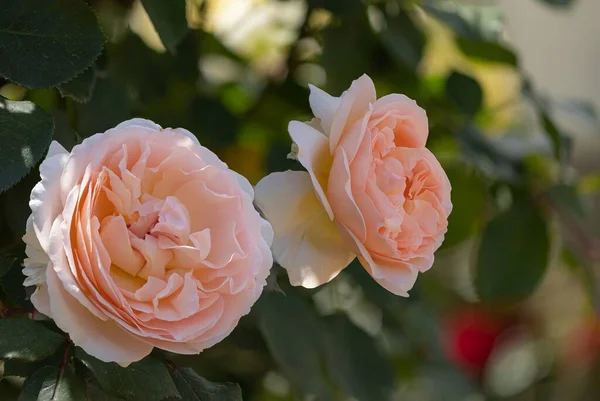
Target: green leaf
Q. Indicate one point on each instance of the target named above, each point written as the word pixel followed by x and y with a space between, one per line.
pixel 513 254
pixel 297 352
pixel 458 24
pixel 344 63
pixel 108 107
pixel 45 43
pixel 193 387
pixel 465 92
pixel 487 51
pixel 355 363
pixel 468 200
pixel 559 3
pixel 557 139
pixel 53 384
pixel 81 87
pixel 27 340
pixel 6 263
pixel 146 380
pixel 26 133
pixel 404 40
pixel 95 393
pixel 169 20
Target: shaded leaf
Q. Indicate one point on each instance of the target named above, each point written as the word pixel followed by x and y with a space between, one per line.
pixel 26 132
pixel 559 3
pixel 468 200
pixel 95 393
pixel 344 63
pixel 297 352
pixel 169 20
pixel 146 380
pixel 53 384
pixel 513 255
pixel 487 51
pixel 81 87
pixel 355 363
pixel 193 387
pixel 27 340
pixel 108 107
pixel 45 43
pixel 404 39
pixel 465 92
pixel 6 263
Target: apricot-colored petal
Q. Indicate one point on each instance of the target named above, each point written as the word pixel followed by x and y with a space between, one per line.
pixel 104 340
pixel 313 154
pixel 307 244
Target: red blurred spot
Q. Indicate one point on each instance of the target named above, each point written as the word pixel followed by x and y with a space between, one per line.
pixel 471 337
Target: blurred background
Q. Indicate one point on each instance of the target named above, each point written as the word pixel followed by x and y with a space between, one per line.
pixel 511 88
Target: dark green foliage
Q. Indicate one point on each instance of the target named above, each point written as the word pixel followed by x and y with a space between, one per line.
pixel 513 255
pixel 27 340
pixel 465 92
pixel 26 132
pixel 53 384
pixel 193 387
pixel 45 43
pixel 146 380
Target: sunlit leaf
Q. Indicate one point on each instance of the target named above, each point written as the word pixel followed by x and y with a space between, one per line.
pixel 26 132
pixel 169 20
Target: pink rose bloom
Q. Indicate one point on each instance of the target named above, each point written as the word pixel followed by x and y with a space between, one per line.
pixel 371 190
pixel 140 238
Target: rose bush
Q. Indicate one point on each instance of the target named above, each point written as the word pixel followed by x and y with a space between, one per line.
pixel 141 238
pixel 371 190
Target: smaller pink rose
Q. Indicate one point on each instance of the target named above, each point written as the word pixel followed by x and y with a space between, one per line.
pixel 371 190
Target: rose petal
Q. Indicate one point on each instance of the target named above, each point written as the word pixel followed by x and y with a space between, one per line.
pixel 307 244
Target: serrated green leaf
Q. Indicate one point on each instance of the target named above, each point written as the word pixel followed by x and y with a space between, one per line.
pixel 194 387
pixel 169 20
pixel 297 352
pixel 45 43
pixel 26 132
pixel 53 384
pixel 146 380
pixel 27 340
pixel 513 254
pixel 355 363
pixel 81 87
pixel 465 92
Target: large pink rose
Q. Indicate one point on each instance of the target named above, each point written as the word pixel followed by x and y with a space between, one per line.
pixel 372 190
pixel 142 238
